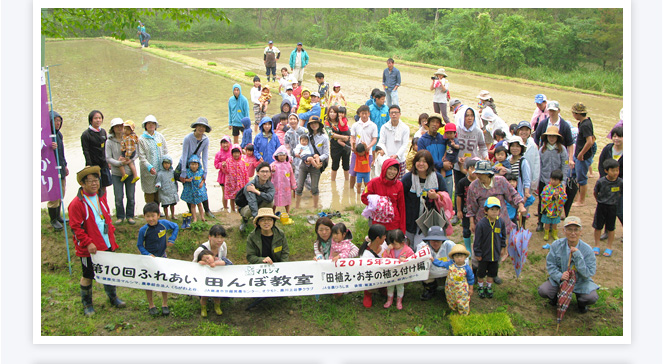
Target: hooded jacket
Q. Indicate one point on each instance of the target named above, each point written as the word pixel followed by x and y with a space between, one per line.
pixel 247 134
pixel 293 58
pixel 393 189
pixel 220 157
pixel 264 146
pixel 471 141
pixel 304 103
pixel 84 226
pixel 283 178
pixel 436 145
pixel 166 183
pixel 238 107
pixel 62 162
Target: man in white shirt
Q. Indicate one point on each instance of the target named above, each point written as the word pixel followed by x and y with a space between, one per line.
pixel 394 137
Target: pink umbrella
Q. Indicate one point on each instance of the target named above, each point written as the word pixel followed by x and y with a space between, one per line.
pixel 564 295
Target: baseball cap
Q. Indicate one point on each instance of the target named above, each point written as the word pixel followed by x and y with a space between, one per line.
pixel 540 98
pixel 300 43
pixel 270 42
pixel 524 124
pixel 553 105
pixel 449 127
pixel 572 220
pixel 289 87
pixel 454 102
pixel 316 94
pixel 492 201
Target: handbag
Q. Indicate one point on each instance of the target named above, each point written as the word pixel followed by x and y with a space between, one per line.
pixel 315 150
pixel 178 169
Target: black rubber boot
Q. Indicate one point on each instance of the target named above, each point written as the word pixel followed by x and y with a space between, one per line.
pixel 429 291
pixel 86 299
pixel 111 292
pixel 53 214
pixel 59 216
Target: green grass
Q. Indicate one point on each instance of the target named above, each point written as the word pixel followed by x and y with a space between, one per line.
pixel 207 328
pixel 210 63
pixel 494 324
pixel 604 330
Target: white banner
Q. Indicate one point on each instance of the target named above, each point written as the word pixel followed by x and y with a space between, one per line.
pixel 257 280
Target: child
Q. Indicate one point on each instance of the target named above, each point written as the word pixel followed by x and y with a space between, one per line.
pixel 423 125
pixel 291 140
pixel 236 175
pixel 489 246
pixel 167 186
pixel 213 253
pixel 323 91
pixel 222 155
pixel 305 102
pixel 414 148
pixel 195 191
pixel 397 249
pixel 363 131
pixel 281 125
pixel 284 80
pixel 362 167
pixel 264 99
pixel 451 152
pixel 152 241
pixel 607 192
pixel 459 284
pixel 129 146
pixel 502 166
pixel 304 150
pixel 288 96
pixel 499 138
pixel 341 244
pixel 258 114
pixel 283 179
pixel 336 96
pixel 513 181
pixel 553 156
pixel 461 196
pixel 297 93
pixel 247 135
pixel 553 198
pixel 250 160
pixel 373 247
pixel 379 157
pixel 342 119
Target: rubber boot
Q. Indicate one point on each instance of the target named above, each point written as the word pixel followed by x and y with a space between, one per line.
pixel 429 291
pixel 59 215
pixel 554 234
pixel 203 311
pixel 546 235
pixel 390 300
pixel 468 245
pixel 184 219
pixel 53 214
pixel 111 292
pixel 399 303
pixel 368 299
pixel 217 309
pixel 86 299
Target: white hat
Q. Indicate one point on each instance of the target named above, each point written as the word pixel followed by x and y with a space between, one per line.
pixel 488 114
pixel 116 122
pixel 484 95
pixel 150 119
pixel 316 94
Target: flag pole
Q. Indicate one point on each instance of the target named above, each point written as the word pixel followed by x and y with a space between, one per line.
pixel 59 168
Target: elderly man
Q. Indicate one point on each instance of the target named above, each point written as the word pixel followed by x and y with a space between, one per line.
pixel 571 252
pixel 270 55
pixel 541 112
pixel 90 220
pixel 391 81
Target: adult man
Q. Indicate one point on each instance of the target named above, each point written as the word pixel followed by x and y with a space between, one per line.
pixel 584 152
pixel 315 109
pixel 379 110
pixel 541 112
pixel 391 81
pixel 298 61
pixel 258 193
pixel 394 137
pixel 270 56
pixel 532 155
pixel 90 220
pixel 54 209
pixel 582 263
pixel 434 143
pixel 454 106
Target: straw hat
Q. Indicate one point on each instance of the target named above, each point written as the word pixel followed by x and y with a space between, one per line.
pixel 88 170
pixel 484 95
pixel 440 71
pixel 579 108
pixel 552 130
pixel 264 212
pixel 435 116
pixel 458 249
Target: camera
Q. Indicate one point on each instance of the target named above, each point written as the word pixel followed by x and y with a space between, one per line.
pixel 434 78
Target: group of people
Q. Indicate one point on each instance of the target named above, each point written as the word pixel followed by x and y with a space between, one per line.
pixel 447 166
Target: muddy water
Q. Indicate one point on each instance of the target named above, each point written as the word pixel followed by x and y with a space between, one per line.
pixel 130 84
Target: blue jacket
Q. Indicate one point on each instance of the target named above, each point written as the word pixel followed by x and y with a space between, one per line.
pixel 293 58
pixel 264 148
pixel 247 134
pixel 557 263
pixel 238 107
pixel 315 110
pixel 379 115
pixel 448 263
pixel 152 239
pixel 436 146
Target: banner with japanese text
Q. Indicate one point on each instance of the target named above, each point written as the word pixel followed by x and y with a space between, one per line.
pixel 50 182
pixel 258 280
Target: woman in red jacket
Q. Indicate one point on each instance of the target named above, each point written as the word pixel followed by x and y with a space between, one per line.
pixel 389 186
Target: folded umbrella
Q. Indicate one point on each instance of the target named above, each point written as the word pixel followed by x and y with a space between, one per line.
pixel 564 295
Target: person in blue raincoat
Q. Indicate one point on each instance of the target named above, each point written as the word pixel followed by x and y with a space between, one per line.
pixel 238 108
pixel 265 142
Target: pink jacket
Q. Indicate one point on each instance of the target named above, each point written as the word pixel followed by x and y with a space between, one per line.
pixel 283 179
pixel 235 174
pixel 251 164
pixel 405 252
pixel 220 157
pixel 344 249
pixel 538 117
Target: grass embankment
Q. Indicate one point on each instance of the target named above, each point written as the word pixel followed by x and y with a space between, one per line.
pixel 515 301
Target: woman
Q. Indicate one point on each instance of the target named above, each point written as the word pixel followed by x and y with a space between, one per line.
pixel 93 141
pixel 389 186
pixel 441 87
pixel 151 146
pixel 114 156
pixel 422 178
pixel 322 245
pixel 487 185
pixel 320 143
pixel 339 145
pixel 520 166
pixel 197 142
pixel 493 122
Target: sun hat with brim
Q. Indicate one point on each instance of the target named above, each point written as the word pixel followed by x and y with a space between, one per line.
pixel 314 119
pixel 484 95
pixel 85 171
pixel 492 201
pixel 202 121
pixel 483 167
pixel 337 84
pixel 150 119
pixel 579 108
pixel 516 139
pixel 552 105
pixel 553 130
pixel 572 220
pixel 435 233
pixel 130 124
pixel 440 71
pixel 435 116
pixel 264 212
pixel 116 122
pixel 540 98
pixel 458 249
pixel 488 114
pixel 524 124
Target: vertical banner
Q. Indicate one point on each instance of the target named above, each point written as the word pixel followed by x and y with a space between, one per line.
pixel 50 181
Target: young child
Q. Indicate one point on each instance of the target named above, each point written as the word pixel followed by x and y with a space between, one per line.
pixel 304 150
pixel 288 96
pixel 461 195
pixel 258 113
pixel 459 284
pixel 502 166
pixel 247 135
pixel 607 192
pixel 264 99
pixel 129 145
pixel 297 93
pixel 221 156
pixel 195 191
pixel 212 253
pixel 250 160
pixel 396 249
pixel 489 246
pixel 362 167
pixel 414 148
pixel 499 138
pixel 152 241
pixel 373 247
pixel 553 198
pixel 379 157
pixel 341 244
pixel 451 154
pixel 284 80
pixel 513 181
pixel 236 175
pixel 283 179
pixel 342 119
pixel 305 101
pixel 336 96
pixel 167 186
